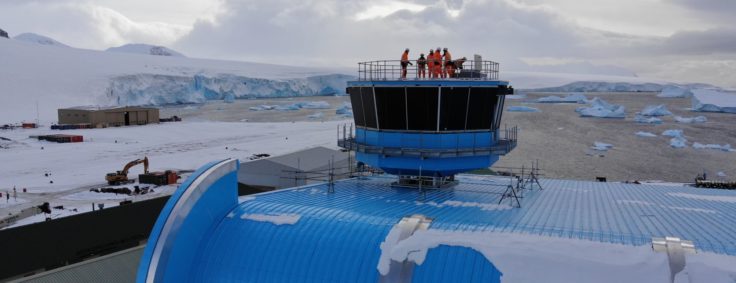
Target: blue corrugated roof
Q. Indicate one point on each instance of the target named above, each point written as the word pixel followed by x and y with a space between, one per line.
pixel 607 212
pixel 336 237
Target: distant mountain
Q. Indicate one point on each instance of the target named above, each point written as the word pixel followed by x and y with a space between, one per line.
pixel 586 68
pixel 593 86
pixel 38 39
pixel 139 48
pixel 3 33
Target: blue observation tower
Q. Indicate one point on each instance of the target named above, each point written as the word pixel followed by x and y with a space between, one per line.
pixel 428 129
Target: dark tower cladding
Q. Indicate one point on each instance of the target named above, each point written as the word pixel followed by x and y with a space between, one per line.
pixel 428 129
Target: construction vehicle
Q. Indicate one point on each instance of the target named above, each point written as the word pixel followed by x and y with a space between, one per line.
pixel 121 177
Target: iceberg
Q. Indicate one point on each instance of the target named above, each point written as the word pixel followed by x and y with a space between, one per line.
pixel 571 98
pixel 602 109
pixel 673 133
pixel 705 100
pixel 600 146
pixel 645 134
pixel 678 139
pixel 314 105
pixel 691 120
pixel 647 120
pixel 346 109
pixel 673 91
pixel 656 110
pixel 522 109
pixel 516 96
pixel 290 107
pixel 678 142
pixel 725 147
pixel 229 98
pixel 316 115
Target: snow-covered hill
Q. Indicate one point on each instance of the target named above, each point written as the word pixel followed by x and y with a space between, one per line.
pixel 62 77
pixel 139 48
pixel 39 39
pixel 36 74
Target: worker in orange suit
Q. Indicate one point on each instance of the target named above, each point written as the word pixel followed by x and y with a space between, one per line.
pixel 404 63
pixel 437 72
pixel 421 66
pixel 430 63
pixel 449 69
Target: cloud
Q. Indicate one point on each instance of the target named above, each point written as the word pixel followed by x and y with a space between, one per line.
pixel 719 40
pixel 83 24
pixel 300 32
pixel 520 34
pixel 721 6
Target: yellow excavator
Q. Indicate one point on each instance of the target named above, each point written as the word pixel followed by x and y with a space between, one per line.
pixel 121 177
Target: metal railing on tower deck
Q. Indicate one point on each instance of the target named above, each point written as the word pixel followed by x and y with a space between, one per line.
pixel 462 70
pixel 500 144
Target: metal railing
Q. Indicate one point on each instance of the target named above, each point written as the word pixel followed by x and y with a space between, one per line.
pixel 392 70
pixel 500 145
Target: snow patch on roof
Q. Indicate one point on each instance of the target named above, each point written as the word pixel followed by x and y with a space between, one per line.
pixel 242 199
pixel 275 218
pixel 554 259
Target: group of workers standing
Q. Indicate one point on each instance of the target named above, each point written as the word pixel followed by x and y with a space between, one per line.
pixel 438 64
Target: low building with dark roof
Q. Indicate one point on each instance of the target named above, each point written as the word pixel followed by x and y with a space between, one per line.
pixel 108 116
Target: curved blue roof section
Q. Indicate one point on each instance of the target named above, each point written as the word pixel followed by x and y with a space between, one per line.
pixel 186 219
pixel 308 234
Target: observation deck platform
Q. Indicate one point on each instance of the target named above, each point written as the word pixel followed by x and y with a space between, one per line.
pixel 428 125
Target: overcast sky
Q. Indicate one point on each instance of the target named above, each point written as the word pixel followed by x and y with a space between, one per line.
pixel 681 40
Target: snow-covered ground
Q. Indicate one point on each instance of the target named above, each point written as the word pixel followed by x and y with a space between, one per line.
pixel 175 146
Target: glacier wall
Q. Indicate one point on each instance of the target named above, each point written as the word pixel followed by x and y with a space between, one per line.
pixel 157 89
